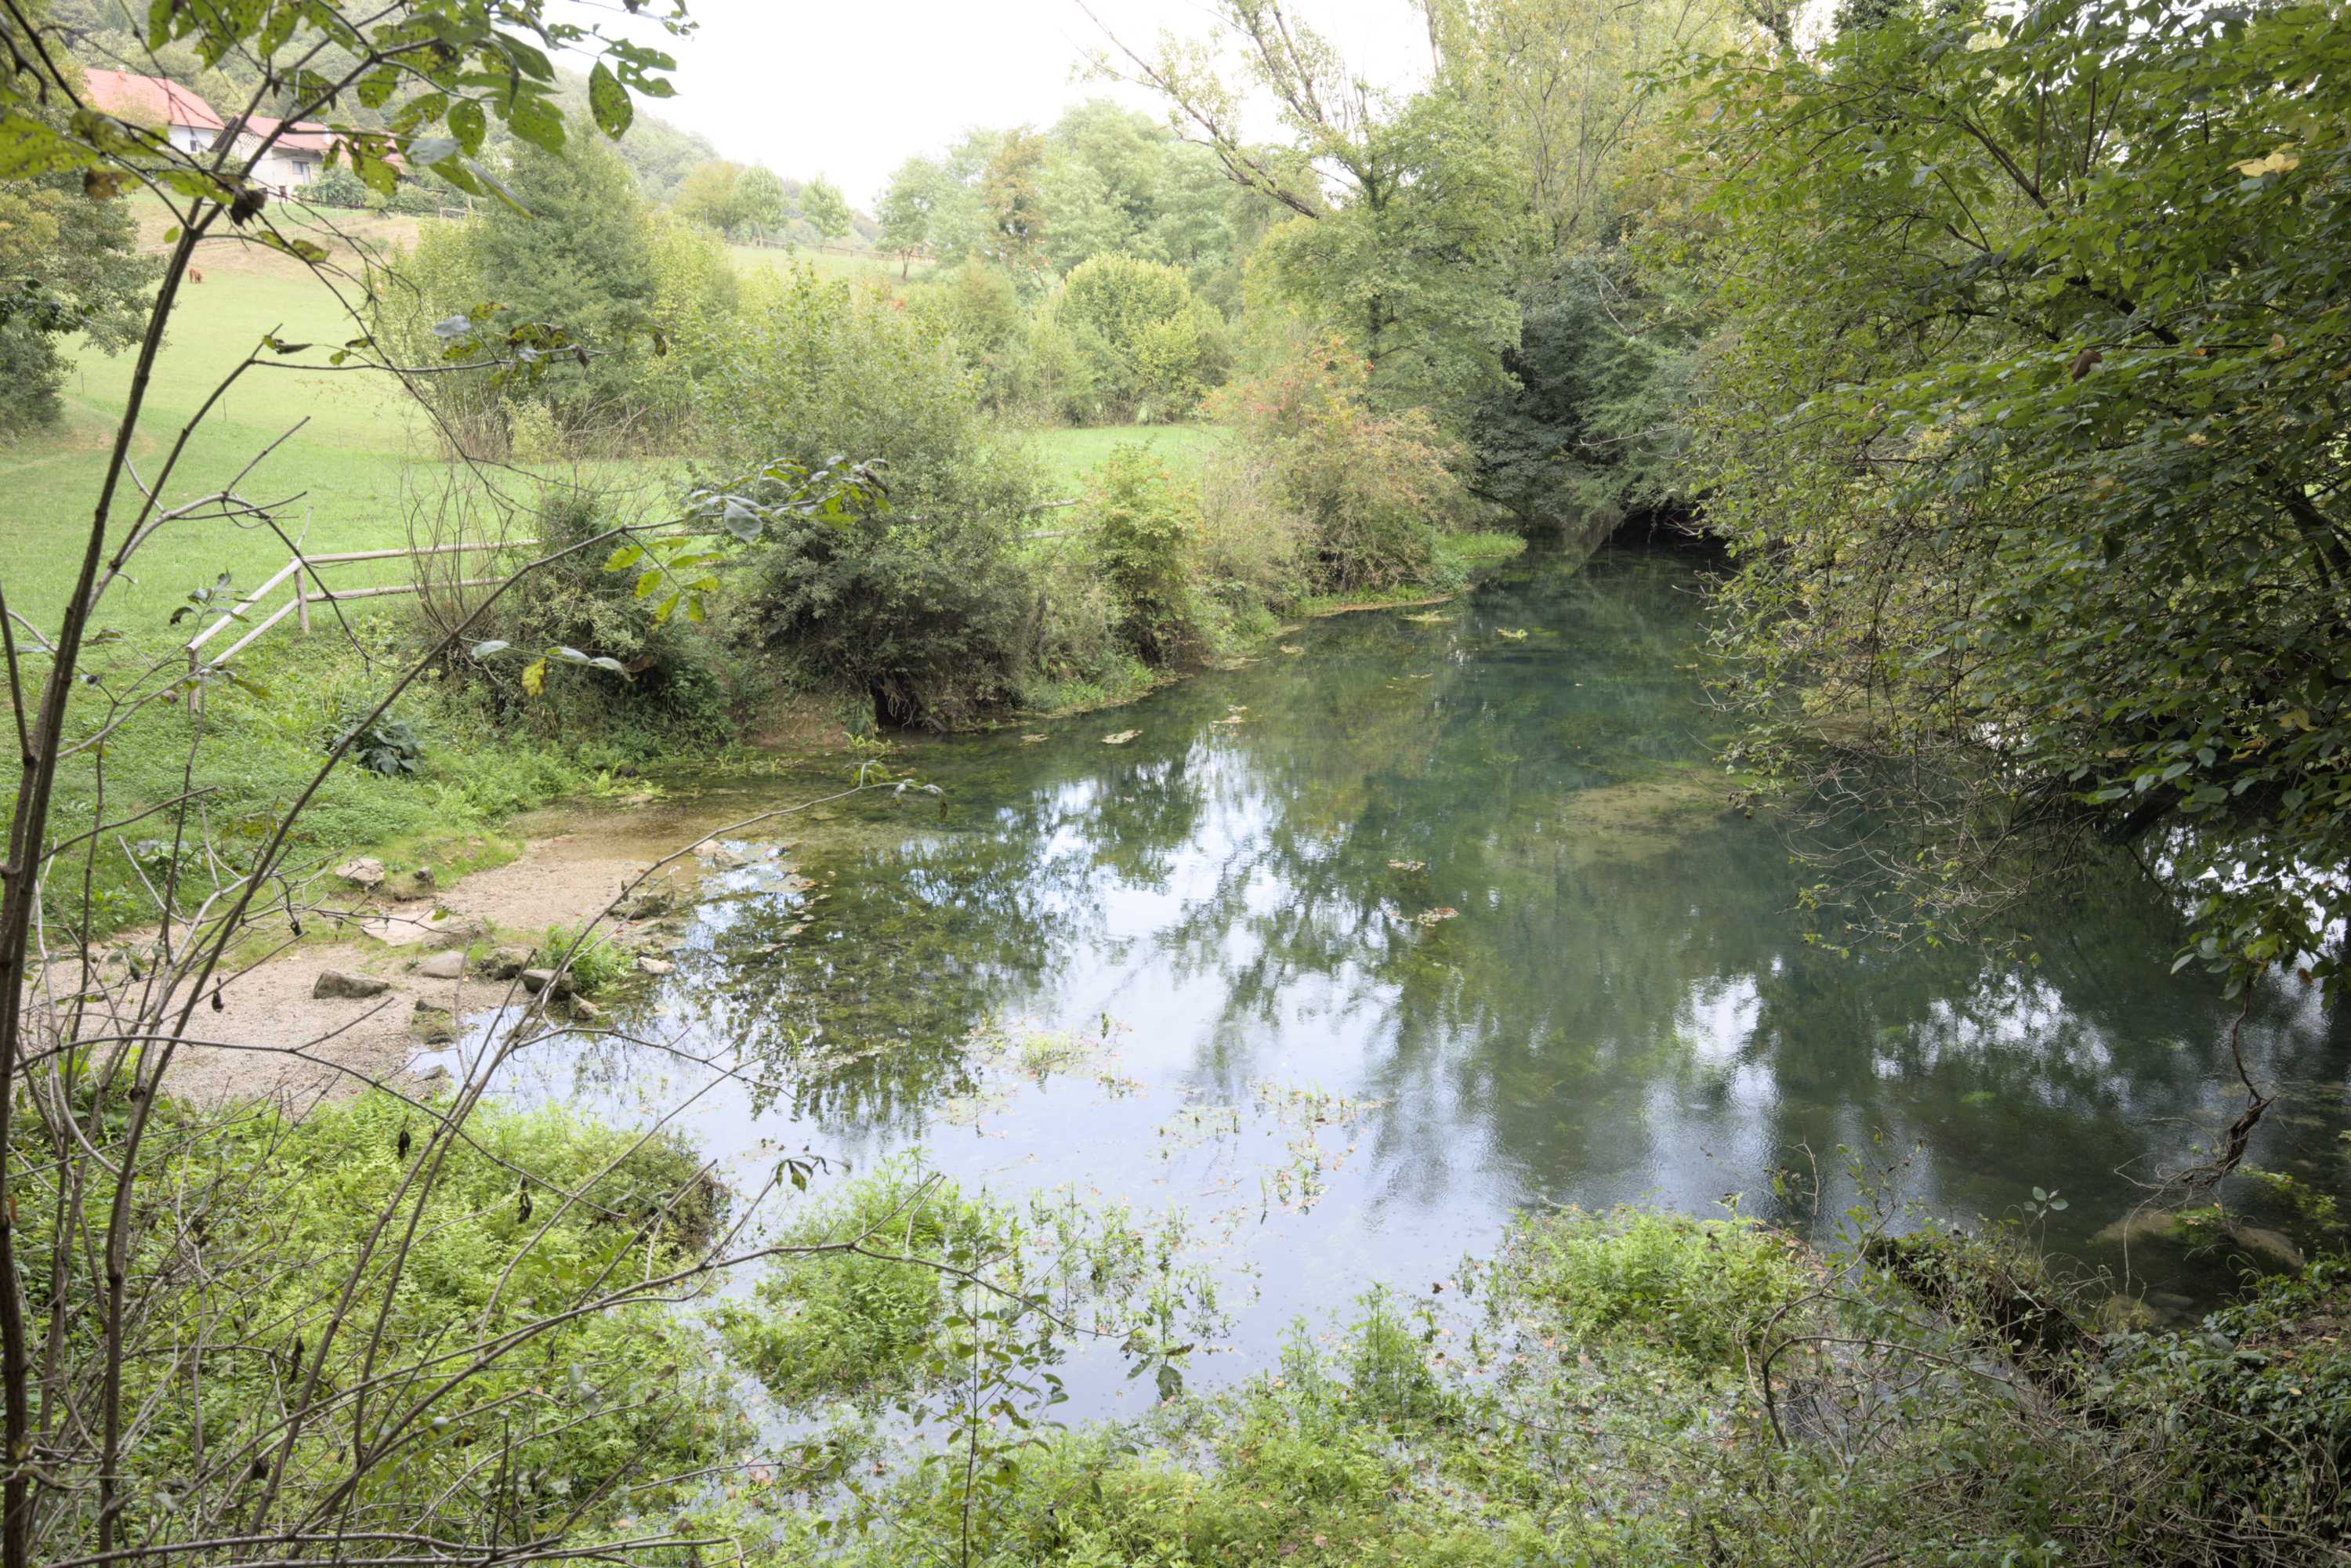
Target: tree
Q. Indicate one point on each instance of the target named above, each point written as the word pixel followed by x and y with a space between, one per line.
pixel 576 251
pixel 1589 430
pixel 712 196
pixel 825 208
pixel 2029 439
pixel 1152 348
pixel 1014 206
pixel 906 210
pixel 1400 233
pixel 69 264
pixel 761 203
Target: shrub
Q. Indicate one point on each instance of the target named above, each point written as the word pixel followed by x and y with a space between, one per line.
pixel 1700 1290
pixel 594 963
pixel 386 745
pixel 1373 488
pixel 631 1401
pixel 1079 659
pixel 1141 518
pixel 337 187
pixel 675 685
pixel 844 1324
pixel 978 306
pixel 1150 349
pixel 924 608
pixel 1250 551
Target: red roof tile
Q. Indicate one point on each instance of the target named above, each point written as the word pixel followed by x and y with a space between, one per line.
pixel 148 100
pixel 299 135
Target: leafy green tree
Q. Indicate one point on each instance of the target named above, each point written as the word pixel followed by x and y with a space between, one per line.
pixel 913 196
pixel 761 203
pixel 1152 348
pixel 2029 436
pixel 921 608
pixel 1015 207
pixel 579 249
pixel 1401 232
pixel 69 264
pixel 712 196
pixel 825 208
pixel 1589 429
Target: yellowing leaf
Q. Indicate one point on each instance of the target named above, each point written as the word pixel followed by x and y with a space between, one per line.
pixel 2277 163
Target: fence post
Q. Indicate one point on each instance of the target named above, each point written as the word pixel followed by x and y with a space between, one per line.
pixel 301 594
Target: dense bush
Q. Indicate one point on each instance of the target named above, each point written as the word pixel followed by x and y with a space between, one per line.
pixel 924 607
pixel 675 685
pixel 1141 520
pixel 842 1324
pixel 1586 433
pixel 1701 1290
pixel 1614 1410
pixel 979 307
pixel 1250 551
pixel 1149 352
pixel 1373 488
pixel 649 299
pixel 611 1398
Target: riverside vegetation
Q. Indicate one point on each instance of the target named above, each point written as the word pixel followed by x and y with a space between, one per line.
pixel 2007 396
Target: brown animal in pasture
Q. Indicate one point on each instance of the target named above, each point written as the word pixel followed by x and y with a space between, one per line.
pixel 196 273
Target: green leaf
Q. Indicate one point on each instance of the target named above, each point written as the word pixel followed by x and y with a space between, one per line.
pixel 742 521
pixel 467 123
pixel 608 100
pixel 536 121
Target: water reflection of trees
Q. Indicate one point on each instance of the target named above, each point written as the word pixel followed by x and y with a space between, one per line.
pixel 1626 983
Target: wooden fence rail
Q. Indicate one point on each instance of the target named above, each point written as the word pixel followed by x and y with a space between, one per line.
pixel 309 589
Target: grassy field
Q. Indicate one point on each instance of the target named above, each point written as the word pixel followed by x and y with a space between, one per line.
pixel 337 473
pixel 751 259
pixel 1068 455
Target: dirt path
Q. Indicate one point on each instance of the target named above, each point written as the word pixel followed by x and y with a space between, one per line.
pixel 296 1048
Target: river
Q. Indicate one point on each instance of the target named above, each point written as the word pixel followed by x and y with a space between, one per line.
pixel 1421 917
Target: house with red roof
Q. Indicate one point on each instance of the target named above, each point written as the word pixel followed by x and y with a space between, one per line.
pixel 295 152
pixel 157 103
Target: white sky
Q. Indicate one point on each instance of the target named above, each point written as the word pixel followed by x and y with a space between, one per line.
pixel 850 88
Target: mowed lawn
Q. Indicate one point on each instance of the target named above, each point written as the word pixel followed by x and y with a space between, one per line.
pixel 335 479
pixel 1069 454
pixel 353 454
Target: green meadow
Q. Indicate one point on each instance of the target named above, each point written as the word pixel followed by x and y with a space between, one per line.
pixel 348 454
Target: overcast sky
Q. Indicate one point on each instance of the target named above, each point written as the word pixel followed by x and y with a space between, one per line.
pixel 851 89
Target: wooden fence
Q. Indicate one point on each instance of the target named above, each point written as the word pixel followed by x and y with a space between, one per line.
pixel 308 588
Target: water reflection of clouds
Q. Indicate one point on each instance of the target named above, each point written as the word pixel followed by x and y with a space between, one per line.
pixel 1626 1009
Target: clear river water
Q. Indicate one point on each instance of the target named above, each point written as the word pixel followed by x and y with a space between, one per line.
pixel 1419 918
